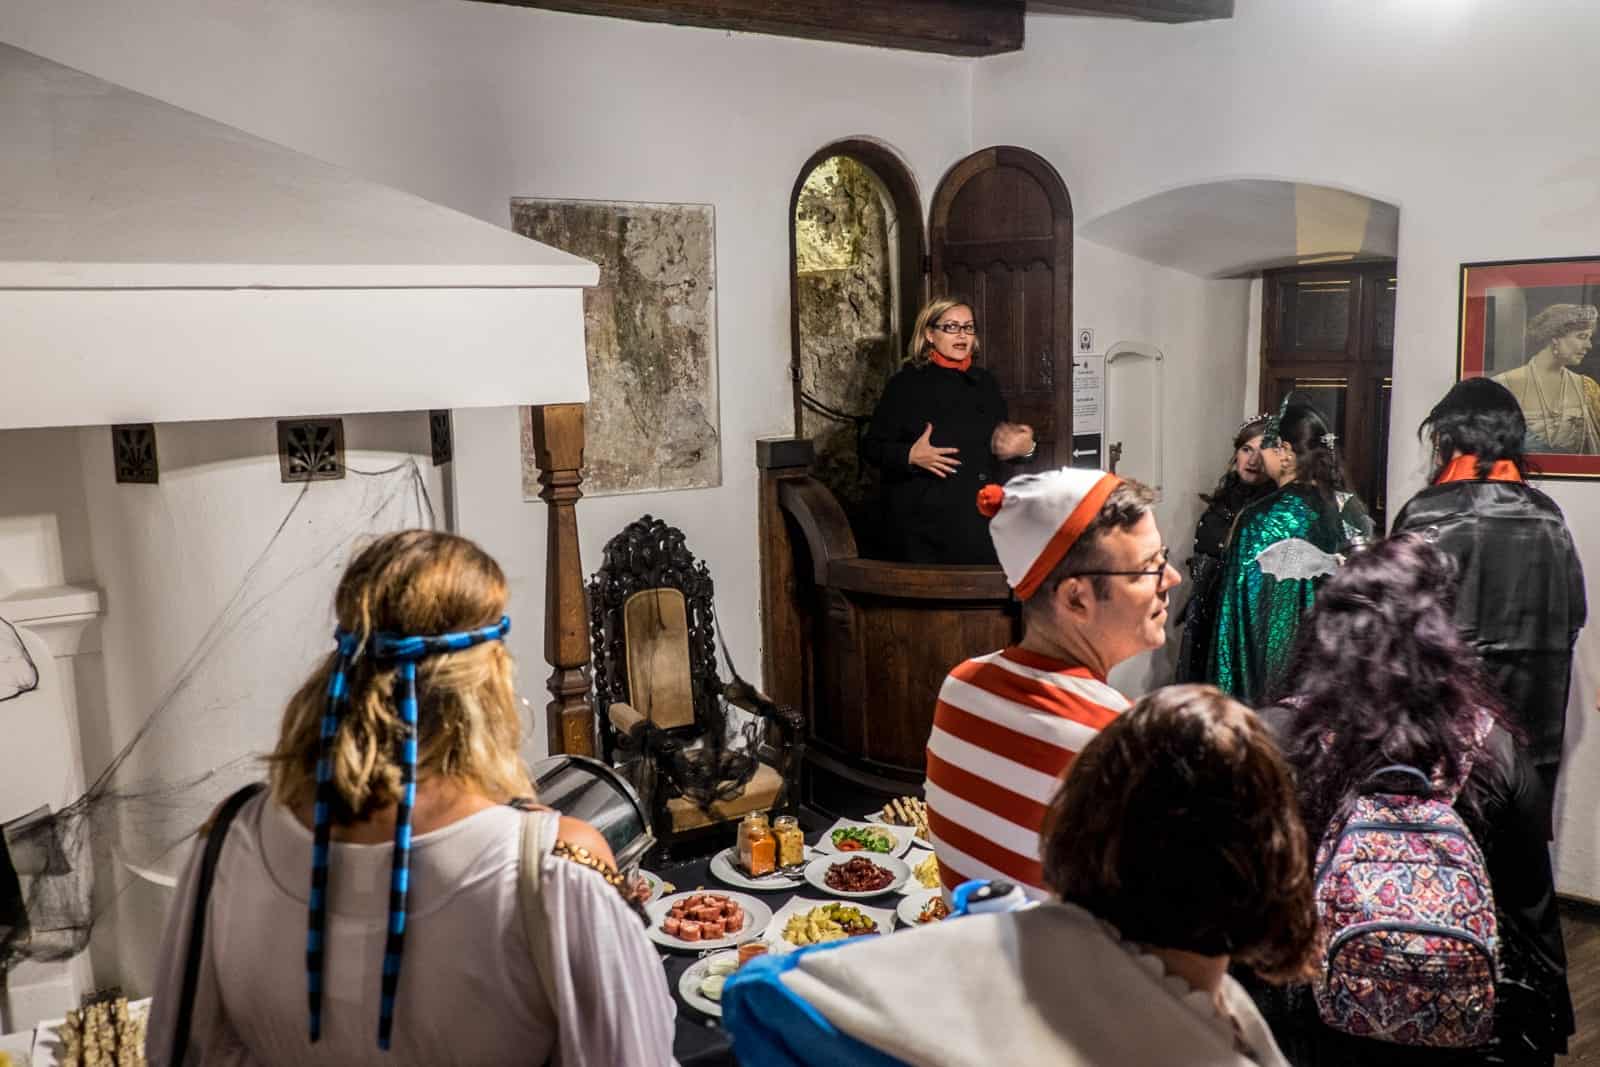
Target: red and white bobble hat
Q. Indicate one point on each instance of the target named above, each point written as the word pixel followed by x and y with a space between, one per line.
pixel 1035 518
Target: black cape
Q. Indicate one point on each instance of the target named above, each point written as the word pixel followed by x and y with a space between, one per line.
pixel 931 519
pixel 1199 613
pixel 1521 599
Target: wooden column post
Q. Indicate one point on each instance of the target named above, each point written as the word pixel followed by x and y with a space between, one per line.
pixel 785 626
pixel 558 449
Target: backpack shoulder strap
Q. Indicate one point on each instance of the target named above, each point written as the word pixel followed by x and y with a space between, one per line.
pixel 197 920
pixel 538 837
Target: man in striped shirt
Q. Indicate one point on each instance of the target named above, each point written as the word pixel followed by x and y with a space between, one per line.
pixel 1081 550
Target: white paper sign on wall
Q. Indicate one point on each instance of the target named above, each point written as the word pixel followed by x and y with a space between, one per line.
pixel 1088 394
pixel 1085 341
pixel 1088 409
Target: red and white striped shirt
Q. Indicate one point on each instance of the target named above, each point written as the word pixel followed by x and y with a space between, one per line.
pixel 1006 728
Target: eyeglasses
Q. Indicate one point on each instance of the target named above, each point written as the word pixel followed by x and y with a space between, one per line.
pixel 1160 560
pixel 957 327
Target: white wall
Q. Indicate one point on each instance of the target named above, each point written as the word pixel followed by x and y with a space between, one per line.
pixel 44 533
pixel 1198 325
pixel 217 604
pixel 1462 112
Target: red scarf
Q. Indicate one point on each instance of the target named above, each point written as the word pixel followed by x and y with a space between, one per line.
pixel 940 361
pixel 1465 469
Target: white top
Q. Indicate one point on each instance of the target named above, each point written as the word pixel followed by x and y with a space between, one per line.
pixel 1050 986
pixel 469 993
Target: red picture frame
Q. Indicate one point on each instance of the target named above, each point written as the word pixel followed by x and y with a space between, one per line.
pixel 1498 300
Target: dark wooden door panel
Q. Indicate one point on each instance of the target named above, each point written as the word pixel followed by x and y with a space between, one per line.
pixel 1329 334
pixel 1001 237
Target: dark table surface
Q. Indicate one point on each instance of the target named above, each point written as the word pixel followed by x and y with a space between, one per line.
pixel 700 1040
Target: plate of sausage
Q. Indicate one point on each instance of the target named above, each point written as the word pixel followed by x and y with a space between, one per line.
pixel 696 921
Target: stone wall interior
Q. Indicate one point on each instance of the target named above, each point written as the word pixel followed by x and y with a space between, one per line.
pixel 850 341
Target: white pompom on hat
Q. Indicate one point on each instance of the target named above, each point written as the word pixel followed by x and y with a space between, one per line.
pixel 1034 519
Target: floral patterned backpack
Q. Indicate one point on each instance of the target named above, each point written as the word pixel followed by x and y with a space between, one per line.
pixel 1403 899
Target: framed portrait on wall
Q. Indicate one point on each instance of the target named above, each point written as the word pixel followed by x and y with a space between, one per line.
pixel 1530 325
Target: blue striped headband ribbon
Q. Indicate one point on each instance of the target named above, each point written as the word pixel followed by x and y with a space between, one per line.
pixel 404 652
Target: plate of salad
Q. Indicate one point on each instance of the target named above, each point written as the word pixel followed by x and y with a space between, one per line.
pixel 852 836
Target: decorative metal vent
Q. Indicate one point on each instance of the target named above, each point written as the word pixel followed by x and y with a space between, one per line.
pixel 311 450
pixel 440 433
pixel 133 447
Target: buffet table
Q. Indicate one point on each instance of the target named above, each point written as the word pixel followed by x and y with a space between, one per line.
pixel 700 1040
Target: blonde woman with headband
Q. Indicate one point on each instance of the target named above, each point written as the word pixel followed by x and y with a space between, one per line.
pixel 1561 406
pixel 384 900
pixel 939 434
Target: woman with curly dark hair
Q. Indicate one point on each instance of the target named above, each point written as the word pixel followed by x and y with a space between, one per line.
pixel 1380 677
pixel 1244 482
pixel 1282 547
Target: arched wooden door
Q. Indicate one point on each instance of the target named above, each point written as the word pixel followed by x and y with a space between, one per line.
pixel 1001 236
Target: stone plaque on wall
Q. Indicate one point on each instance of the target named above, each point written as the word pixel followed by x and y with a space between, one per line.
pixel 651 333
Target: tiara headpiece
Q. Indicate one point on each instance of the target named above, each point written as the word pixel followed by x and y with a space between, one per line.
pixel 1272 436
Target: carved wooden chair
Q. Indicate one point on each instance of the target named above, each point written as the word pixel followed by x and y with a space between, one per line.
pixel 661 704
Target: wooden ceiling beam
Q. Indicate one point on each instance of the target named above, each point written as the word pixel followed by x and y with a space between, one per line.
pixel 948 27
pixel 1146 10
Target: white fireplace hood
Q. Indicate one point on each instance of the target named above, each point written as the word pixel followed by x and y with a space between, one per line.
pixel 158 266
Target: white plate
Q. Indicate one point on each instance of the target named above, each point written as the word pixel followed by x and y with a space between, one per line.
pixel 725 871
pixel 817 870
pixel 912 858
pixel 877 819
pixel 911 906
pixel 756 917
pixel 884 917
pixel 902 838
pixel 689 983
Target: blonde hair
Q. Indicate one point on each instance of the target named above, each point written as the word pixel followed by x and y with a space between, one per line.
pixel 415 582
pixel 917 348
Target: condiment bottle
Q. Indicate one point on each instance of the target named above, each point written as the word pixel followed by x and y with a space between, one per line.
pixel 750 827
pixel 763 851
pixel 791 842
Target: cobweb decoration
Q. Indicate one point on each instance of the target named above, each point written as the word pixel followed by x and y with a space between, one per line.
pixel 206 734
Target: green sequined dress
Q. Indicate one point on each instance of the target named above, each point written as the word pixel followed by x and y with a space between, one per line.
pixel 1283 546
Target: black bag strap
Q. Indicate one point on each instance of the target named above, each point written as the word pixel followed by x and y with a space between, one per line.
pixel 197 922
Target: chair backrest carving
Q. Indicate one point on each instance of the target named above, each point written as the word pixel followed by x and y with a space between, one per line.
pixel 650 555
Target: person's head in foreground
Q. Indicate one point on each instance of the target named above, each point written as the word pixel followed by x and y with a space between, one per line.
pixel 1082 552
pixel 1178 826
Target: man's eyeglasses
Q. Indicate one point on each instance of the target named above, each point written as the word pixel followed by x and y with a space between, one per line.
pixel 1159 560
pixel 957 327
